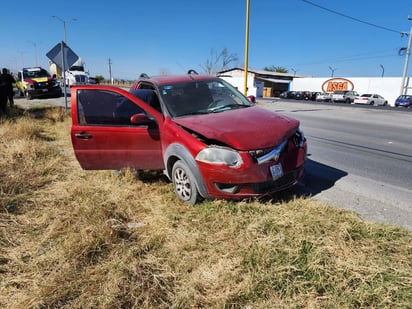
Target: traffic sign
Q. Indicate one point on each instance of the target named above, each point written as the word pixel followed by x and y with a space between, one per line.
pixel 56 55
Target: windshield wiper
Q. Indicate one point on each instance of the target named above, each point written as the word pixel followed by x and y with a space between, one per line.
pixel 222 108
pixel 201 112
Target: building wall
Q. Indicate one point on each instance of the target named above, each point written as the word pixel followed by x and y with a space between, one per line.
pixel 388 87
pixel 236 78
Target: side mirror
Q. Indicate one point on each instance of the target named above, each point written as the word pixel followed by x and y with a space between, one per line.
pixel 252 98
pixel 140 120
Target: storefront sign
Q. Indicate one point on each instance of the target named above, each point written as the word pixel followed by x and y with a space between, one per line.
pixel 333 84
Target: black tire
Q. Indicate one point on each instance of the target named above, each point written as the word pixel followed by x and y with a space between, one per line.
pixel 184 184
pixel 28 95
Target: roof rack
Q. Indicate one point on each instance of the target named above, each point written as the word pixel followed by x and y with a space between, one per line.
pixel 191 71
pixel 143 76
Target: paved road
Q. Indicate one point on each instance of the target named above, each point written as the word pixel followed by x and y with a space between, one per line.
pixel 360 158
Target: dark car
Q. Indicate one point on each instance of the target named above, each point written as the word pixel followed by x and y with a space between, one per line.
pixel 288 95
pixel 304 95
pixel 93 80
pixel 206 136
pixel 404 100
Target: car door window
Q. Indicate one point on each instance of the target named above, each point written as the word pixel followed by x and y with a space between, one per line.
pixel 104 108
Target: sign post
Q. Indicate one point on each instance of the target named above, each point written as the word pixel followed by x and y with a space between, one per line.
pixel 64 57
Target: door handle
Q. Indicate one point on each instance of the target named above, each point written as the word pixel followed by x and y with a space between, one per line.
pixel 83 135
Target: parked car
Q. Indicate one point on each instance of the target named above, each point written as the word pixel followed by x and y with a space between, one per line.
pixel 345 96
pixel 93 80
pixel 313 95
pixel 288 95
pixel 303 95
pixel 370 99
pixel 404 100
pixel 206 136
pixel 323 97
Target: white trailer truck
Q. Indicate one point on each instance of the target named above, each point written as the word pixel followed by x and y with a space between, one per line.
pixel 75 75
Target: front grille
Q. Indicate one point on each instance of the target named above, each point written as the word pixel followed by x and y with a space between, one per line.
pixel 80 78
pixel 285 181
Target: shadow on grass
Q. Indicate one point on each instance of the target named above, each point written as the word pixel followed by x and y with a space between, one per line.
pixel 318 177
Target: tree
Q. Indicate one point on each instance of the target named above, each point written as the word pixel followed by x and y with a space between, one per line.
pixel 272 68
pixel 100 78
pixel 218 61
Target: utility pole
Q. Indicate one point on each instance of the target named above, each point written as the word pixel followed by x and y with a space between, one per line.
pixel 246 47
pixel 405 68
pixel 110 71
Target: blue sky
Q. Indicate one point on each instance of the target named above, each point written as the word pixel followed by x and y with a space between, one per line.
pixel 172 36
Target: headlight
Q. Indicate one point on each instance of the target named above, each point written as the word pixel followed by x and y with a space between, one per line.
pixel 299 138
pixel 215 155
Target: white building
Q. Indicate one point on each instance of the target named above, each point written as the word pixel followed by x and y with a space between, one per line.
pixel 270 84
pixel 388 87
pixel 260 83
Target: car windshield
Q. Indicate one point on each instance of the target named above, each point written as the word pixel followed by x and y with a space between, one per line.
pixel 35 73
pixel 201 97
pixel 366 95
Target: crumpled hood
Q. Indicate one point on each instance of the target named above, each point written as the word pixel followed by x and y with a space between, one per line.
pixel 243 129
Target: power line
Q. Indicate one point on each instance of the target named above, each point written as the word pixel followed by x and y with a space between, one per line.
pixel 353 18
pixel 357 57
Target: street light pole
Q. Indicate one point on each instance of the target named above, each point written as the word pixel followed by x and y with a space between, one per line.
pixel 64 25
pixel 35 52
pixel 405 67
pixel 332 70
pixel 63 57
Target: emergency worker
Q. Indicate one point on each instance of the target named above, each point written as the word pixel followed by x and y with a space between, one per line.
pixel 8 80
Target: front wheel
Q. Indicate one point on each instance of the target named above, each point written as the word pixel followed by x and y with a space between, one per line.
pixel 184 183
pixel 28 95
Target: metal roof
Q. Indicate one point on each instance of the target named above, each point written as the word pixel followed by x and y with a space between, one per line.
pixel 266 74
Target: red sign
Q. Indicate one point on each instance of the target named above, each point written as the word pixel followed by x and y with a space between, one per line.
pixel 333 84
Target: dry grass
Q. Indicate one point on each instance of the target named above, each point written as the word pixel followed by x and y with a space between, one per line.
pixel 76 239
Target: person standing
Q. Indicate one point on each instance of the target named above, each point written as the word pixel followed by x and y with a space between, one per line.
pixel 8 80
pixel 3 96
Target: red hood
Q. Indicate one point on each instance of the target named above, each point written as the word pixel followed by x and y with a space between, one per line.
pixel 243 129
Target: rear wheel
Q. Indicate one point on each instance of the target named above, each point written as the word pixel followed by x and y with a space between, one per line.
pixel 184 183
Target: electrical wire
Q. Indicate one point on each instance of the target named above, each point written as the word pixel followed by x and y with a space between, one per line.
pixel 353 18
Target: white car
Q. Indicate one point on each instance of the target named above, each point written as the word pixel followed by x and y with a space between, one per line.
pixel 323 97
pixel 370 99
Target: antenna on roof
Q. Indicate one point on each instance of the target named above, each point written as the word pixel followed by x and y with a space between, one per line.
pixel 191 71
